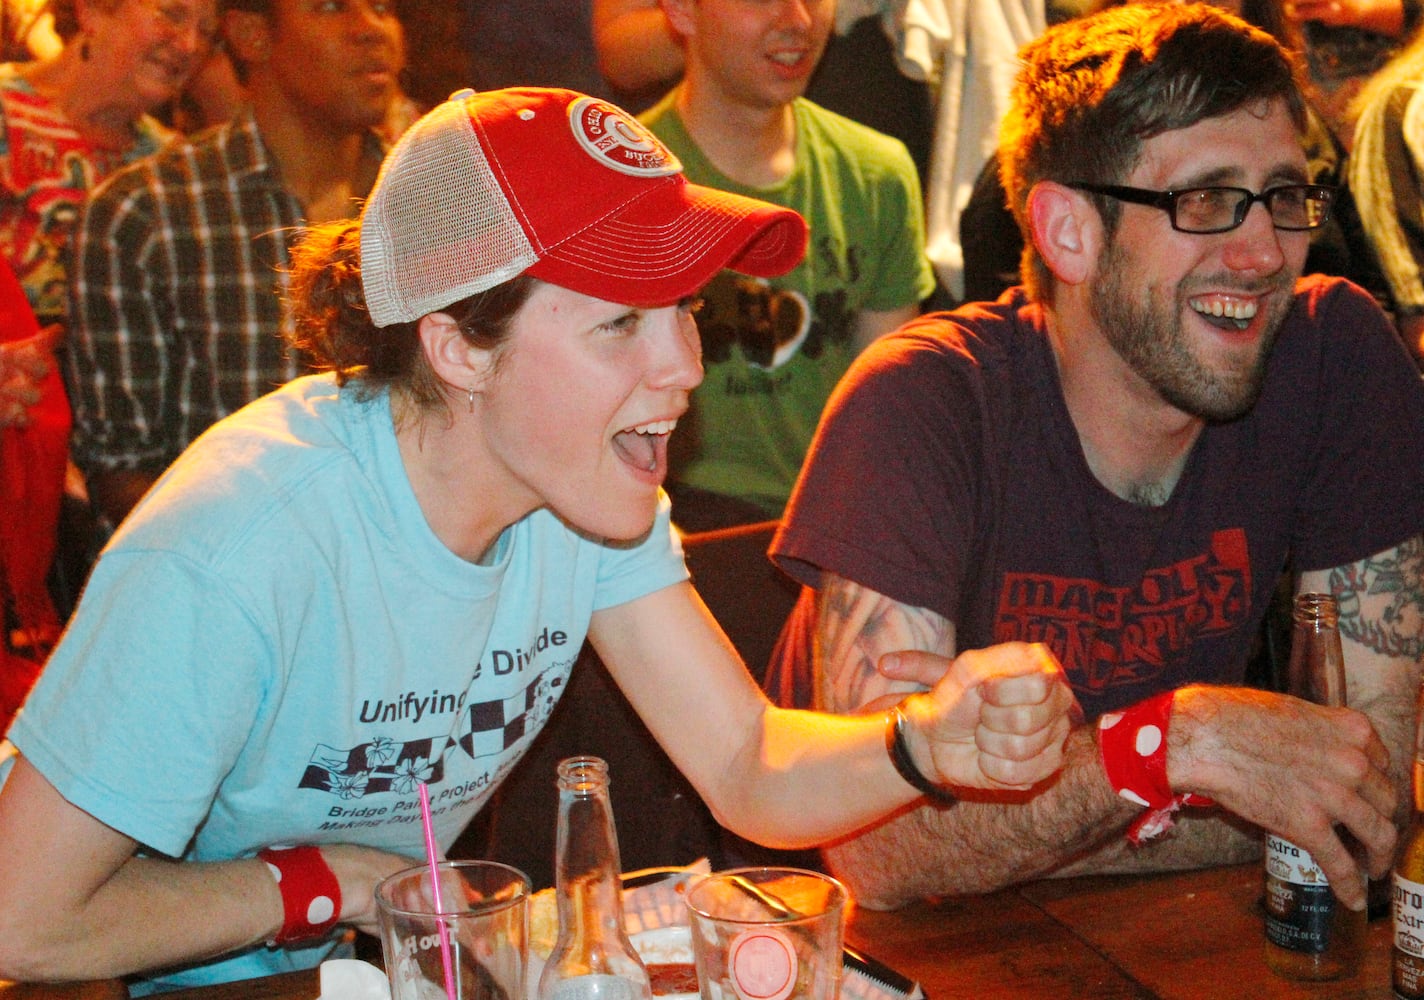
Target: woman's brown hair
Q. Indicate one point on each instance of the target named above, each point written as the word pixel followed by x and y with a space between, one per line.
pixel 332 327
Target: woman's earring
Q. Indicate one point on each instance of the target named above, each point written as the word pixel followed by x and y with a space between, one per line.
pixel 471 392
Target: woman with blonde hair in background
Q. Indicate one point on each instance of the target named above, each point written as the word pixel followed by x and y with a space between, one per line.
pixel 1385 174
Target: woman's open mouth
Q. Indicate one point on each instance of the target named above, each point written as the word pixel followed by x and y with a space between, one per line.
pixel 644 447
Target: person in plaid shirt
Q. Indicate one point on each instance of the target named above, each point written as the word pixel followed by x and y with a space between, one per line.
pixel 179 258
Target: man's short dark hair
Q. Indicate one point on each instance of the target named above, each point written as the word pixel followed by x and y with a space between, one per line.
pixel 1091 91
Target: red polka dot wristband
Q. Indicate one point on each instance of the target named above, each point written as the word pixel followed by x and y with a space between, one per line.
pixel 311 896
pixel 1133 744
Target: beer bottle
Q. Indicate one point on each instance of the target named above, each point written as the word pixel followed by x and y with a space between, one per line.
pixel 1309 935
pixel 592 958
pixel 1409 885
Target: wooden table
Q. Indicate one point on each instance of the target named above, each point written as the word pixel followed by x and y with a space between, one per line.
pixel 1188 936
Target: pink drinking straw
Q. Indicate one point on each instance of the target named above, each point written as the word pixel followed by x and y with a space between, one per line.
pixel 434 859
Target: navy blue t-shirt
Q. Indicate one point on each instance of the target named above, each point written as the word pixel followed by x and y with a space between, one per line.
pixel 947 474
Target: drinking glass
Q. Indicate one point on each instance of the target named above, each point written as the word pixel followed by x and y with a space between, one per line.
pixel 485 916
pixel 767 934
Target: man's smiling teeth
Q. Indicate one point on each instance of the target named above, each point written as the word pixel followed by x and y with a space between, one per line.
pixel 787 58
pixel 1238 311
pixel 656 427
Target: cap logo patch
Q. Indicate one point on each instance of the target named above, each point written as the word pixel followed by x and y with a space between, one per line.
pixel 619 141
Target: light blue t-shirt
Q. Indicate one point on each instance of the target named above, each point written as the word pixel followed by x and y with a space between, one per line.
pixel 276 649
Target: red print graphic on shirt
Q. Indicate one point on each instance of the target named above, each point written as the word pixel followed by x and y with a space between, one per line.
pixel 1108 636
pixel 46 173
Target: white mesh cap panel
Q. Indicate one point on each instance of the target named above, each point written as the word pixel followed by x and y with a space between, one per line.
pixel 438 226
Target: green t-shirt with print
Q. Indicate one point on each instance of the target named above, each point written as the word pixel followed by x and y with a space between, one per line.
pixel 774 350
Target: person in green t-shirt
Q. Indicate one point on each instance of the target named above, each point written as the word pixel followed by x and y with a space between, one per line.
pixel 774 350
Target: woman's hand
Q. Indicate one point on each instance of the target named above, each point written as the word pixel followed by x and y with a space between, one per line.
pixel 357 871
pixel 996 719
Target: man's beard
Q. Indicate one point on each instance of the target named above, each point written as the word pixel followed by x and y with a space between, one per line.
pixel 1150 336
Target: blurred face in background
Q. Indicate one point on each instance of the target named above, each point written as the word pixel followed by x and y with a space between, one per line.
pixel 148 48
pixel 335 62
pixel 754 53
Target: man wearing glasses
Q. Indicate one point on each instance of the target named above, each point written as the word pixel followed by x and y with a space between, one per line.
pixel 1120 460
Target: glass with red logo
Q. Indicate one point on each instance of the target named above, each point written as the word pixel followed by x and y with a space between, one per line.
pixel 767 934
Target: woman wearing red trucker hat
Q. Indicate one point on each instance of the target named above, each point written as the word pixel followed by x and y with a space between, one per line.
pixel 379 577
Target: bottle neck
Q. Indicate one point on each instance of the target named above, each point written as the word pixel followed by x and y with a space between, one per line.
pixel 587 873
pixel 1317 610
pixel 592 910
pixel 587 846
pixel 1317 662
pixel 1418 783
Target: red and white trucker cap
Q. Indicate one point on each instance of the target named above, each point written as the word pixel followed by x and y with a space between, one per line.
pixel 568 188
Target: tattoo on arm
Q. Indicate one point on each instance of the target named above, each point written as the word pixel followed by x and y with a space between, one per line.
pixel 855 626
pixel 1382 600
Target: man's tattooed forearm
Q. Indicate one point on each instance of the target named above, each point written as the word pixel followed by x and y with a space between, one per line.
pixel 1382 600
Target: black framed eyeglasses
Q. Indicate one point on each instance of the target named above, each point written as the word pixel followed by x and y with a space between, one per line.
pixel 1221 209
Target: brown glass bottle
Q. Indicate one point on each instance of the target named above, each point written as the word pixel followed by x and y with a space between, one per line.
pixel 1309 935
pixel 1408 897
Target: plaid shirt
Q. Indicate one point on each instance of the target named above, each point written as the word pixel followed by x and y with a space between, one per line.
pixel 179 265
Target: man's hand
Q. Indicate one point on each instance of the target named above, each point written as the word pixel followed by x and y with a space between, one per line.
pixel 24 365
pixel 996 719
pixel 1299 770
